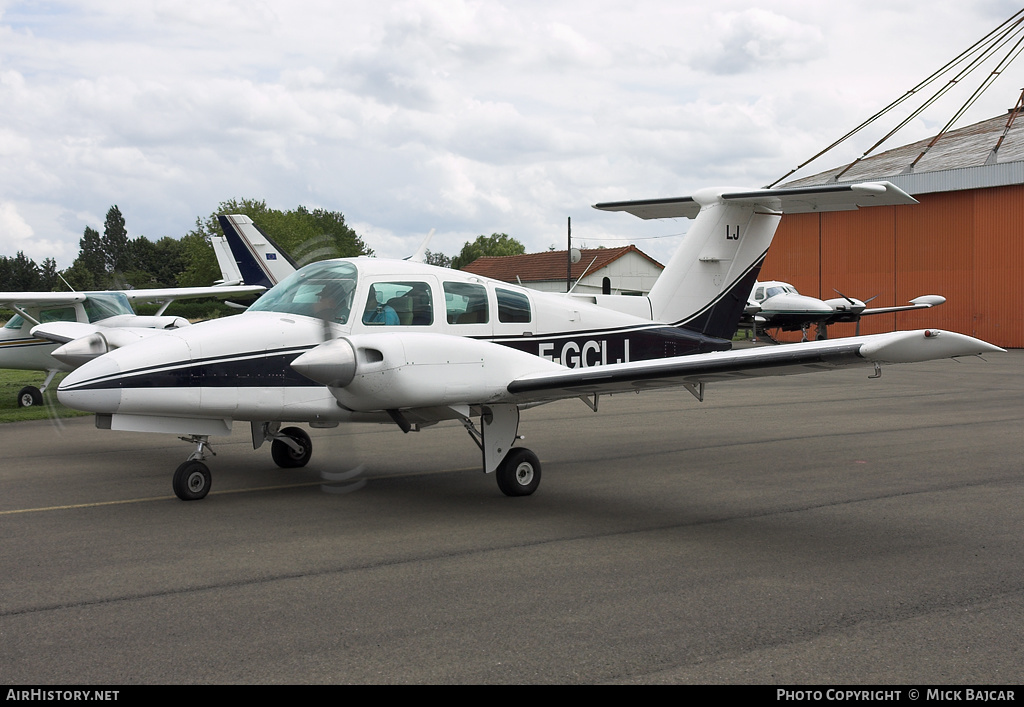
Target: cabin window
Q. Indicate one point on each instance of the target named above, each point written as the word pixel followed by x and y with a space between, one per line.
pixel 513 307
pixel 399 303
pixel 466 303
pixel 759 294
pixel 61 314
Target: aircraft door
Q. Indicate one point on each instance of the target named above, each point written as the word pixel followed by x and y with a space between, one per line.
pixel 514 312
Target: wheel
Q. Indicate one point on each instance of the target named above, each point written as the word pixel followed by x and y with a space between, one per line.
pixel 192 481
pixel 519 472
pixel 29 396
pixel 286 457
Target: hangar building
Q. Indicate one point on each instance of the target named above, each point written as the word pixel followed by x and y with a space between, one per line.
pixel 964 240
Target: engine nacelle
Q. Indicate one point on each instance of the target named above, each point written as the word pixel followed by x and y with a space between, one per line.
pixel 401 370
pixel 846 306
pixel 143 321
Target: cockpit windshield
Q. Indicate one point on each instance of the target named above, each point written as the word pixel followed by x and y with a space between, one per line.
pixel 103 305
pixel 323 290
pixel 780 289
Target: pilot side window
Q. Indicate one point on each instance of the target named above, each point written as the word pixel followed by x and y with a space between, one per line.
pixel 466 303
pixel 399 303
pixel 513 307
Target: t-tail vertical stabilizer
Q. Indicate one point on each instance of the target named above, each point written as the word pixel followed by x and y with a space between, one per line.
pixel 705 285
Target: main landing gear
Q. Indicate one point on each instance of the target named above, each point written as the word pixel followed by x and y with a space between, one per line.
pixel 31 396
pixel 516 469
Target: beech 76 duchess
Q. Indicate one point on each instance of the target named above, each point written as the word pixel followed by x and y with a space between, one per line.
pixel 411 345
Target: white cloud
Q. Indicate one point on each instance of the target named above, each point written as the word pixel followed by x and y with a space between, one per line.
pixel 738 42
pixel 13 229
pixel 468 116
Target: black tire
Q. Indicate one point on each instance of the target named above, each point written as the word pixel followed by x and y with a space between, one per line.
pixel 29 396
pixel 286 457
pixel 192 481
pixel 519 472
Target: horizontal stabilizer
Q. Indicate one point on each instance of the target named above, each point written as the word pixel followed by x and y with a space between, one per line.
pixel 832 197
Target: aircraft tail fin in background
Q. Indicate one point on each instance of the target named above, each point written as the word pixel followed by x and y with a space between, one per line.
pixel 230 274
pixel 259 259
pixel 706 283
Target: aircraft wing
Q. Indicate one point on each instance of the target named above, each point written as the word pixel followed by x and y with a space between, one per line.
pixel 40 299
pixel 51 299
pixel 797 200
pixel 789 359
pixel 175 293
pixel 923 302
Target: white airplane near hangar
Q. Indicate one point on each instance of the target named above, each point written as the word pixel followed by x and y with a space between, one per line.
pixel 775 304
pixel 455 346
pixel 106 314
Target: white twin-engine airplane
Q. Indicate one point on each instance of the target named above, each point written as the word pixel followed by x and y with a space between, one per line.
pixel 395 342
pixel 776 304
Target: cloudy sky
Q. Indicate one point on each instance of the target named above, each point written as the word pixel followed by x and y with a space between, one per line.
pixel 469 117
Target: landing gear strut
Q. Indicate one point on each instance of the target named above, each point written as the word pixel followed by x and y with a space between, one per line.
pixel 516 469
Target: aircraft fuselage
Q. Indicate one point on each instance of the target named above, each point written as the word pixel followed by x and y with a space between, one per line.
pixel 239 368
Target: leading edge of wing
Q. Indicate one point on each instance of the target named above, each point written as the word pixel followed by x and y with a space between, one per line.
pixel 788 359
pixel 796 200
pixel 215 291
pixel 40 299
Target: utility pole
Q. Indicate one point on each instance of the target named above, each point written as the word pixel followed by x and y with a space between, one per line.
pixel 568 258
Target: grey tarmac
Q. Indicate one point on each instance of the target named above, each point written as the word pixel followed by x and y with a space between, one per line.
pixel 821 529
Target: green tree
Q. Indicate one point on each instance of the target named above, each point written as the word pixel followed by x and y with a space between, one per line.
pixel 305 235
pixel 496 244
pixel 115 241
pixel 19 274
pixel 48 279
pixel 439 259
pixel 89 271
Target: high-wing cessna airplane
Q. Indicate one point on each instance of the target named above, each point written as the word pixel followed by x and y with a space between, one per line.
pixel 777 304
pixel 411 345
pixel 70 315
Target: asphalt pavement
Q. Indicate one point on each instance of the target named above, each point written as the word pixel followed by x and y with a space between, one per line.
pixel 821 529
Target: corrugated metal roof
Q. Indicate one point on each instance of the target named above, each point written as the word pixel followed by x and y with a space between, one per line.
pixel 961 159
pixel 549 265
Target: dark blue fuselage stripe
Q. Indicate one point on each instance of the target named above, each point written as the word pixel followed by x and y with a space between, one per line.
pixel 273 369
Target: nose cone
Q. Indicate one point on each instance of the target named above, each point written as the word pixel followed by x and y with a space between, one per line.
pixel 129 379
pixel 92 387
pixel 332 363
